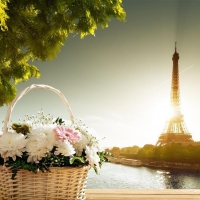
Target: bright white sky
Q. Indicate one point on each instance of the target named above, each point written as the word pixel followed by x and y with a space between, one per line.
pixel 119 81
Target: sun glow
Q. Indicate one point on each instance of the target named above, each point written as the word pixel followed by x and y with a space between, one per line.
pixel 170 112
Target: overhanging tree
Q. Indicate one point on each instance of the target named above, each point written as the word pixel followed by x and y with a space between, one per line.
pixel 36 30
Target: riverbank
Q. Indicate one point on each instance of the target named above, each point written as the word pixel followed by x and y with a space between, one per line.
pixel 172 165
pixel 125 161
pixel 156 164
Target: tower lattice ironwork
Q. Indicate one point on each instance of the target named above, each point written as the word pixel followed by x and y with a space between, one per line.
pixel 175 130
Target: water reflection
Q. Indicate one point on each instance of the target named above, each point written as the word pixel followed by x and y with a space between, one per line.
pixel 169 180
pixel 174 179
pixel 120 176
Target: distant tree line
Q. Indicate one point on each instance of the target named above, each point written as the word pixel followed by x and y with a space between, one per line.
pixel 173 152
pixel 128 152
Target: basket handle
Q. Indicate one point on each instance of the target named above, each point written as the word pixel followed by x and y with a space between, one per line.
pixel 20 95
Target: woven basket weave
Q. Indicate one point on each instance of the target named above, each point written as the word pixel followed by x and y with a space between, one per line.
pixel 61 183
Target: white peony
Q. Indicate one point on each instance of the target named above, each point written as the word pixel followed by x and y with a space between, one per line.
pixel 12 144
pixel 92 156
pixel 64 148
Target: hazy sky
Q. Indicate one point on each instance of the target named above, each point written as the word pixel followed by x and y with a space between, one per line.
pixel 118 82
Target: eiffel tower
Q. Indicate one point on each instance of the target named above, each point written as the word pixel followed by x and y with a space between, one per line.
pixel 175 130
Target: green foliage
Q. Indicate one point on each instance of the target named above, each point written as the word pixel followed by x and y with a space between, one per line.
pixel 20 163
pixel 173 152
pixel 50 160
pixel 77 160
pixel 36 30
pixel 104 157
pixel 115 151
pixel 21 128
pixel 129 152
pixel 59 121
pixel 3 15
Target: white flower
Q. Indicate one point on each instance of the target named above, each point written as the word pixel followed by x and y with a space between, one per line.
pixel 89 138
pixel 64 148
pixel 12 144
pixel 81 145
pixel 92 156
pixel 50 135
pixel 40 142
pixel 98 143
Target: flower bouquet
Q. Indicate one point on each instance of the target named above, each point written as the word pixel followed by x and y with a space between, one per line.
pixel 47 157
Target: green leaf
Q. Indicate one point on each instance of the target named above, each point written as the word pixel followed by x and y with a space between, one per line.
pixel 76 159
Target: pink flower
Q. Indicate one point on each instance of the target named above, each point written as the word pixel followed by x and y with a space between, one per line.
pixel 64 133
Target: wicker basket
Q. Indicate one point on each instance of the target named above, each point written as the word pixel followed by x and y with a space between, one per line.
pixel 66 183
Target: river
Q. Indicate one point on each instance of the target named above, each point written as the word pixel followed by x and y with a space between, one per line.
pixel 121 176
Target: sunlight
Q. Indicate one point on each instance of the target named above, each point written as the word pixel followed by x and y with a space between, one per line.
pixel 169 112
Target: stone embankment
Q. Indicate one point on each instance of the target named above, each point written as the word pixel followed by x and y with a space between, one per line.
pixel 172 165
pixel 125 161
pixel 156 164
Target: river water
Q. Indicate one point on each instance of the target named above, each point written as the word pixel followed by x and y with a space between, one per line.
pixel 119 176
